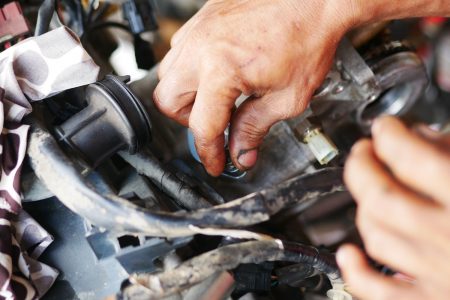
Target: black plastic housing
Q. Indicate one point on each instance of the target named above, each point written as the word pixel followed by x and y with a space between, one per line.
pixel 114 120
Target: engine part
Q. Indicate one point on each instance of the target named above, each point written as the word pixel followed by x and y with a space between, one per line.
pixel 389 81
pixel 114 120
pixel 94 263
pixel 230 170
pixel 140 16
pixel 362 90
pixel 137 204
pixel 320 144
pixel 443 61
pixel 51 164
pixel 12 22
pixel 136 254
pixel 252 278
pixel 157 286
pixel 294 274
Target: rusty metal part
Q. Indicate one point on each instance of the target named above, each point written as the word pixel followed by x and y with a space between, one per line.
pixel 109 211
pixel 197 269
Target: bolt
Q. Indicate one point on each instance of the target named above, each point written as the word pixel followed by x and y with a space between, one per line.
pixel 339 88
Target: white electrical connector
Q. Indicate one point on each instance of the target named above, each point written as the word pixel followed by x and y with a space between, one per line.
pixel 320 145
pixel 339 295
pixel 339 292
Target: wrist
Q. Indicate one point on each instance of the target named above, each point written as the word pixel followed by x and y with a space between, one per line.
pixel 385 10
pixel 332 17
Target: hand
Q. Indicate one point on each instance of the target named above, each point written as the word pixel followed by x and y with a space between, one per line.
pixel 401 183
pixel 276 52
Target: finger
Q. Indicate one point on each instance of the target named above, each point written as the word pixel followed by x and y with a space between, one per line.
pixel 253 119
pixel 184 31
pixel 381 197
pixel 387 203
pixel 366 283
pixel 391 248
pixel 168 61
pixel 415 161
pixel 210 117
pixel 175 94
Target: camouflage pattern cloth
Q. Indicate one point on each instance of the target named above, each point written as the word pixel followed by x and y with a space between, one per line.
pixel 31 70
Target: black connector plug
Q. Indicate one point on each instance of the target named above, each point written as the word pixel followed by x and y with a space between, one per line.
pixel 140 16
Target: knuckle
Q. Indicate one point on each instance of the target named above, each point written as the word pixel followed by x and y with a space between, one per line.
pixel 170 102
pixel 252 132
pixel 373 241
pixel 287 109
pixel 410 215
pixel 161 102
pixel 361 147
pixel 381 195
pixel 157 98
pixel 398 202
pixel 298 107
pixel 203 136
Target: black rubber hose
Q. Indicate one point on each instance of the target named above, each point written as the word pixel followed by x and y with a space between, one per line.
pixel 149 166
pixel 58 173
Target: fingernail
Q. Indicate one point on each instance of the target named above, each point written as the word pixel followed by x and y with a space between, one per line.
pixel 247 158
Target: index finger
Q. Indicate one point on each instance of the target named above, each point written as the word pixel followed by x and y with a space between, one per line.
pixel 210 117
pixel 415 161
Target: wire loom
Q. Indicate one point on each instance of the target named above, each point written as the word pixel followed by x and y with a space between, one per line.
pixel 109 211
pixel 56 170
pixel 157 286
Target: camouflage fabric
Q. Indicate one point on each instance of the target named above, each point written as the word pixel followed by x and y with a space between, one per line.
pixel 31 70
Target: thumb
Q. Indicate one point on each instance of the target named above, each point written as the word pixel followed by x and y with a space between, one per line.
pixel 254 118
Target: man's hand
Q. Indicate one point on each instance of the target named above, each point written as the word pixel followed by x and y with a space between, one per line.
pixel 401 183
pixel 276 52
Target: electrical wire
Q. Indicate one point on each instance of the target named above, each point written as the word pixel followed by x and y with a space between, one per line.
pixel 58 173
pixel 100 12
pixel 197 269
pixel 90 12
pixel 103 25
pixel 80 16
pixel 45 14
pixel 47 11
